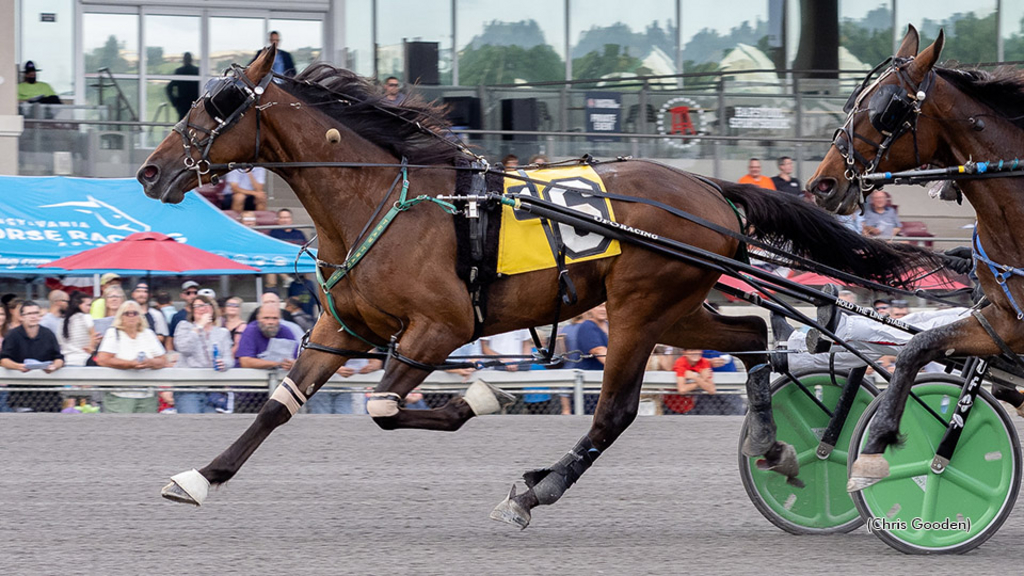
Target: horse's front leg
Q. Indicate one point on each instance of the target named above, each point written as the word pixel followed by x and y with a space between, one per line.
pixel 964 337
pixel 310 372
pixel 428 344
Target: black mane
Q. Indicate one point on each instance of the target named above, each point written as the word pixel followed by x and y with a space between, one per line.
pixel 1002 90
pixel 366 112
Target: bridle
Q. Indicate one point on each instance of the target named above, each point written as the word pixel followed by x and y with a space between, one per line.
pixel 893 111
pixel 227 99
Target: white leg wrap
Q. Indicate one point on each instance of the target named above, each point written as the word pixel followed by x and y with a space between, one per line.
pixel 481 398
pixel 288 393
pixel 194 484
pixel 382 404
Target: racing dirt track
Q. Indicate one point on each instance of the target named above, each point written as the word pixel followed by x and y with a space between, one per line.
pixel 335 495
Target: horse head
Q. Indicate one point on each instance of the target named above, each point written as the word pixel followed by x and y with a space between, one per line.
pixel 882 132
pixel 218 129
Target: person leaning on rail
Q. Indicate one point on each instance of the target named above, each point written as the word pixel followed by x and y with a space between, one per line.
pixel 202 344
pixel 129 345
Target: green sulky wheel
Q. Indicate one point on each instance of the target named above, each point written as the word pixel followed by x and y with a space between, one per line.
pixel 822 506
pixel 917 511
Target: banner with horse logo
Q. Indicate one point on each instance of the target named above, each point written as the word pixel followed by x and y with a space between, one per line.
pixel 46 218
pixel 527 244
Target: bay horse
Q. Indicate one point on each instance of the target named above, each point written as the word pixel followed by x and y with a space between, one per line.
pixel 407 290
pixel 915 113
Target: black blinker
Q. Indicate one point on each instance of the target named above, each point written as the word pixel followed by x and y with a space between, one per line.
pixel 888 108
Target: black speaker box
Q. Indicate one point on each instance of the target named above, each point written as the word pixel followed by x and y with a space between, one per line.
pixel 464 112
pixel 520 114
pixel 421 63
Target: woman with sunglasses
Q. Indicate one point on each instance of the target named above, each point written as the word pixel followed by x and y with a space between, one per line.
pixel 202 344
pixel 233 321
pixel 129 345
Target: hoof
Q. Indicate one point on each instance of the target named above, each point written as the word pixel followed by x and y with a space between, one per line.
pixel 867 470
pixel 786 465
pixel 187 488
pixel 510 512
pixel 486 399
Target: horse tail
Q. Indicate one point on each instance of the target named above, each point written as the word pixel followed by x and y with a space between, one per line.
pixel 797 227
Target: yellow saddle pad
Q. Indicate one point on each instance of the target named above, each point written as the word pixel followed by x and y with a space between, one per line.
pixel 526 243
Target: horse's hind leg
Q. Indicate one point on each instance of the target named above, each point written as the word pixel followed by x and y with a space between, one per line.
pixel 710 330
pixel 308 374
pixel 630 341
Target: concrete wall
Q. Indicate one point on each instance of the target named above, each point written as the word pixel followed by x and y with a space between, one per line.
pixel 10 121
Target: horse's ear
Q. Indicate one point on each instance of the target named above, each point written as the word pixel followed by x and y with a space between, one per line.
pixel 262 65
pixel 908 49
pixel 930 55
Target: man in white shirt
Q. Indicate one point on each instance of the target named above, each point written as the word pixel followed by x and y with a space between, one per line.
pixel 58 304
pixel 247 189
pixel 515 343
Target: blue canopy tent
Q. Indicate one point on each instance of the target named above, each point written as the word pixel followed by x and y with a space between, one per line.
pixel 46 218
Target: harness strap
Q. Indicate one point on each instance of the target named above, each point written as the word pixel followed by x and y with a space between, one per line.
pixel 1007 351
pixel 1002 272
pixel 355 256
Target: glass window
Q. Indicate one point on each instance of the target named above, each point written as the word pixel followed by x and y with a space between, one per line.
pixel 865 33
pixel 234 41
pixel 970 33
pixel 111 41
pixel 120 96
pixel 359 37
pixel 709 33
pixel 401 21
pixel 168 39
pixel 170 100
pixel 502 43
pixel 303 39
pixel 49 44
pixel 606 40
pixel 1013 30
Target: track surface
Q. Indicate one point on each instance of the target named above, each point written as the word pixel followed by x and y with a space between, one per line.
pixel 335 495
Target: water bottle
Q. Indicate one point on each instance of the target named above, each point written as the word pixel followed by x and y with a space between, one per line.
pixel 141 357
pixel 216 357
pixel 818 392
pixel 944 405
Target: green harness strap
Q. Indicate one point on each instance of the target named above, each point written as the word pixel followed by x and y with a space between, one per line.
pixel 741 253
pixel 354 257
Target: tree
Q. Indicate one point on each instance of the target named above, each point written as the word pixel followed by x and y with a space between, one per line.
pixel 505 64
pixel 107 56
pixel 613 59
pixel 969 39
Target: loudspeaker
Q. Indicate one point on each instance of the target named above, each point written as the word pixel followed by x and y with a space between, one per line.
pixel 421 63
pixel 520 114
pixel 464 112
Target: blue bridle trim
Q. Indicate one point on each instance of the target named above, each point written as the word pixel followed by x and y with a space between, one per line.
pixel 1002 272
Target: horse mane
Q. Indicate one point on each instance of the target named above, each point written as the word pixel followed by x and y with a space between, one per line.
pixel 361 106
pixel 1001 90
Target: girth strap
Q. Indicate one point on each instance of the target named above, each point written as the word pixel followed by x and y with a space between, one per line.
pixel 1002 272
pixel 1007 351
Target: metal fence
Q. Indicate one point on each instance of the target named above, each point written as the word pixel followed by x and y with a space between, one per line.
pixel 76 389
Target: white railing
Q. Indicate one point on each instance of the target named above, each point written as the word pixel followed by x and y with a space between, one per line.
pixel 574 382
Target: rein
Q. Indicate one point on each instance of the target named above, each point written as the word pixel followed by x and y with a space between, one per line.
pixel 252 93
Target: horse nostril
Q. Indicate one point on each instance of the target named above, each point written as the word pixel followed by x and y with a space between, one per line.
pixel 825 185
pixel 150 172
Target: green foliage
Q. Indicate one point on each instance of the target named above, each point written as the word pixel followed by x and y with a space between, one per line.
pixel 504 64
pixel 969 39
pixel 870 46
pixel 613 59
pixel 107 56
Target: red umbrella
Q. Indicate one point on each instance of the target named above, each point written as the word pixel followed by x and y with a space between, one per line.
pixel 813 279
pixel 145 252
pixel 736 283
pixel 936 281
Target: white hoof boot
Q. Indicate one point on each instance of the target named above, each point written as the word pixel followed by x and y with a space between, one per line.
pixel 188 488
pixel 509 511
pixel 486 399
pixel 867 470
